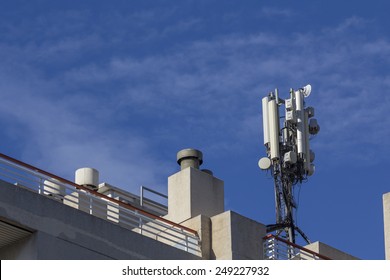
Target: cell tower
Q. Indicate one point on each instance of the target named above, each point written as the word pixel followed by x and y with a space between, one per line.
pixel 289 156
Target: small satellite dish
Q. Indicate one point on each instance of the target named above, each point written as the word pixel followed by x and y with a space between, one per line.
pixel 264 163
pixel 306 90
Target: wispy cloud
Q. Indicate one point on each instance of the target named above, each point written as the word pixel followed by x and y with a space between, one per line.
pixel 113 113
pixel 62 136
pixel 276 12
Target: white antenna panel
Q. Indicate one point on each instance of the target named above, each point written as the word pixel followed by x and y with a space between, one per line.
pixel 300 123
pixel 289 103
pixel 290 116
pixel 273 116
pixel 265 120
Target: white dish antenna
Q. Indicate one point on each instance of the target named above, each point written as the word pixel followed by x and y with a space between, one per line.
pixel 306 90
pixel 264 163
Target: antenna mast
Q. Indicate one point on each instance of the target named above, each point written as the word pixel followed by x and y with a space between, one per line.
pixel 289 156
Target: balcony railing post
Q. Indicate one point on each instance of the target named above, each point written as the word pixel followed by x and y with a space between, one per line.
pixel 41 186
pixel 140 225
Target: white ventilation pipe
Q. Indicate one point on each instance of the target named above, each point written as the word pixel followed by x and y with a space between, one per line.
pixel 87 177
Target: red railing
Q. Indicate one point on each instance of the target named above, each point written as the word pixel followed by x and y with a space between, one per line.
pixel 26 175
pixel 276 248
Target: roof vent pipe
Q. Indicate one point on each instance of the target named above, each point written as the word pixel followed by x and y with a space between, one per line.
pixel 88 177
pixel 189 158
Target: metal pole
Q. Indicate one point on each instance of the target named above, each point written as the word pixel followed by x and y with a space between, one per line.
pixel 141 199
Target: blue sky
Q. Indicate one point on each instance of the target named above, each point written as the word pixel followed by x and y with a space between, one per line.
pixel 123 85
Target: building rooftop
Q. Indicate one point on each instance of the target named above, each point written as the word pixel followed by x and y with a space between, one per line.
pixel 44 216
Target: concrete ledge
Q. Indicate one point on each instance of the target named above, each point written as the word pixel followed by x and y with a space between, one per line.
pixel 330 252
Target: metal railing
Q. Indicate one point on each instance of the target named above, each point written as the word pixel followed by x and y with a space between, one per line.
pixel 143 201
pixel 83 198
pixel 276 248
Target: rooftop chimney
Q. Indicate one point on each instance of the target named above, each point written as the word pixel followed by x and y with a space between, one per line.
pixel 193 192
pixel 189 158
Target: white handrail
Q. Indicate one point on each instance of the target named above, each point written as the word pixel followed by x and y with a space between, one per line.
pixel 115 211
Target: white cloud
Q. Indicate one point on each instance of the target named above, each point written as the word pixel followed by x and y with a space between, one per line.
pixel 205 92
pixel 60 139
pixel 223 75
pixel 276 12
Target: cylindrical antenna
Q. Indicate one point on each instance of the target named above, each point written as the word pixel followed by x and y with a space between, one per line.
pixel 265 120
pixel 273 116
pixel 300 124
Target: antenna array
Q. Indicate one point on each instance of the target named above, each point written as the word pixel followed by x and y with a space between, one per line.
pixel 289 156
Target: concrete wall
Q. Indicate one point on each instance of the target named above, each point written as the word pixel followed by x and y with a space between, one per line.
pixel 192 192
pixel 202 225
pixel 386 223
pixel 229 236
pixel 43 246
pixel 196 200
pixel 62 232
pixel 330 252
pixel 235 237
